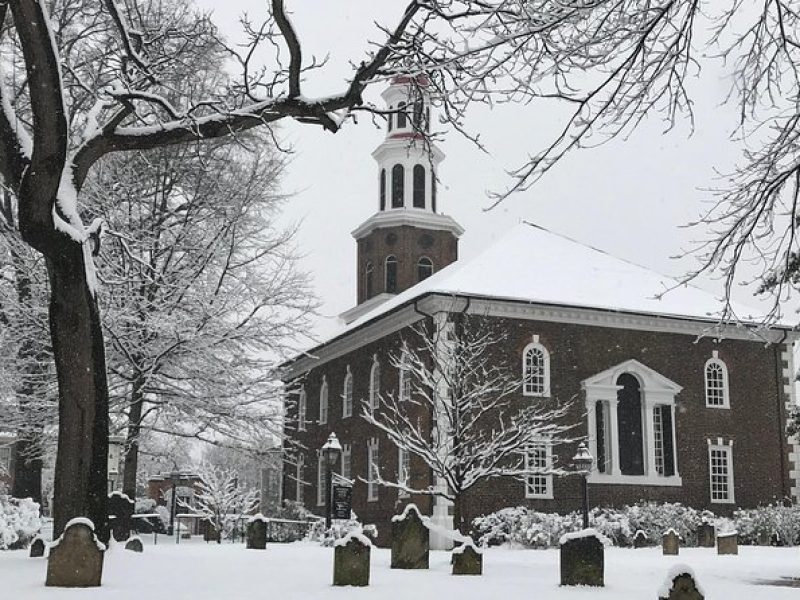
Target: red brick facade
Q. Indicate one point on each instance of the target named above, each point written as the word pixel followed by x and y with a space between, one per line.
pixel 754 423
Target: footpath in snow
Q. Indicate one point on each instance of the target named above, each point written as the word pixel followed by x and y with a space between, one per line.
pixel 199 571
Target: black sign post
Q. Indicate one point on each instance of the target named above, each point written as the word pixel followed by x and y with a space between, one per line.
pixel 342 501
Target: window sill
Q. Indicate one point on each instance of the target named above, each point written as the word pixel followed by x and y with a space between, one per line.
pixel 673 481
pixel 719 406
pixel 731 501
pixel 532 395
pixel 539 496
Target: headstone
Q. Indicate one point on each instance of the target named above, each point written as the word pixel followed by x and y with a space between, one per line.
pixel 582 560
pixel 728 543
pixel 467 560
pixel 134 544
pixel 37 547
pixel 680 585
pixel 210 533
pixel 705 535
pixel 670 543
pixel 410 540
pixel 351 560
pixel 257 533
pixel 640 539
pixel 120 512
pixel 76 558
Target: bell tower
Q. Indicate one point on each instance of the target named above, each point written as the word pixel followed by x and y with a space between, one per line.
pixel 406 240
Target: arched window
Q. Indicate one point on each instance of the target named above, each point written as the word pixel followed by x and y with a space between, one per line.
pixel 398 177
pixel 716 383
pixel 427 119
pixel 323 402
pixel 383 189
pixel 629 425
pixel 390 119
pixel 403 382
pixel 391 275
pixel 347 394
pixel 375 384
pixel 419 186
pixel 535 370
pixel 433 191
pixel 401 116
pixel 424 268
pixel 301 411
pixel 368 274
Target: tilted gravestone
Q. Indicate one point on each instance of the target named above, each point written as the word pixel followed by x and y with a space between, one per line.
pixel 728 543
pixel 705 535
pixel 640 539
pixel 410 540
pixel 670 543
pixel 680 585
pixel 257 532
pixel 76 558
pixel 37 548
pixel 120 512
pixel 134 544
pixel 467 560
pixel 351 560
pixel 582 558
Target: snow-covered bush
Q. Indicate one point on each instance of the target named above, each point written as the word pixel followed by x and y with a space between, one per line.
pixel 339 529
pixel 531 529
pixel 19 522
pixel 768 524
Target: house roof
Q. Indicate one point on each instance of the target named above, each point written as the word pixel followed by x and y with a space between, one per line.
pixel 534 265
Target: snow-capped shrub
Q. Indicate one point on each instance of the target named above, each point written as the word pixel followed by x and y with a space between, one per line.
pixel 19 522
pixel 774 523
pixel 144 506
pixel 339 529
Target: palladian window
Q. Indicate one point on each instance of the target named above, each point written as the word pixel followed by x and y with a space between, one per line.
pixel 716 375
pixel 535 370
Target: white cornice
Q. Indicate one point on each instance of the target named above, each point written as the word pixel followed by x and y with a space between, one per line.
pixel 352 314
pixel 413 217
pixel 433 303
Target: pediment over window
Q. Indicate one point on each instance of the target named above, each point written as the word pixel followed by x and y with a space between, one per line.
pixel 650 380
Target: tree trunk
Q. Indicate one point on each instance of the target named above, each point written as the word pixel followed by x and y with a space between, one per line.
pixel 458 516
pixel 81 475
pixel 130 468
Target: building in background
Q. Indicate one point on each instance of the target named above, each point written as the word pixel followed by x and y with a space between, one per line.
pixel 7 442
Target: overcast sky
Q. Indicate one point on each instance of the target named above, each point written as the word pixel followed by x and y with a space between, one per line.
pixel 628 197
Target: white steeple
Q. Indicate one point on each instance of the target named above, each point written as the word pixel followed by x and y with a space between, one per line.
pixel 407 160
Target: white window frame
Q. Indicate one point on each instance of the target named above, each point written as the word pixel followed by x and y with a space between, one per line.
pixel 403 470
pixel 715 361
pixel 372 469
pixel 323 401
pixel 302 404
pixel 320 479
pixel 347 464
pixel 347 394
pixel 298 492
pixel 726 449
pixel 545 478
pixel 545 391
pixel 374 383
pixel 403 381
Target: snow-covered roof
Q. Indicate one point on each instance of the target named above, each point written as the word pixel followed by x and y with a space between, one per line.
pixel 534 265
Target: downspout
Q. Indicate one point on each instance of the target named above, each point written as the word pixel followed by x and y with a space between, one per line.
pixel 781 413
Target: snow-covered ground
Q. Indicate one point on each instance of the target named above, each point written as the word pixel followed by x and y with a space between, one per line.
pixel 197 571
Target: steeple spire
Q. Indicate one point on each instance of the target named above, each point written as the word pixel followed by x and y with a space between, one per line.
pixel 406 240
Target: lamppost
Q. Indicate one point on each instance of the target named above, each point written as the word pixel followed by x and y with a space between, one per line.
pixel 330 452
pixel 583 462
pixel 174 476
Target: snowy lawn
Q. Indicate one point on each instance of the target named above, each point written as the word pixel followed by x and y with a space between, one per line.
pixel 195 570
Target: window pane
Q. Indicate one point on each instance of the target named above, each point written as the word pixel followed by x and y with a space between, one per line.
pixel 419 186
pixel 391 275
pixel 383 189
pixel 398 176
pixel 424 268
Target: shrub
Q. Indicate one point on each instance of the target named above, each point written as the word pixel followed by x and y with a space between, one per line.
pixel 19 522
pixel 774 523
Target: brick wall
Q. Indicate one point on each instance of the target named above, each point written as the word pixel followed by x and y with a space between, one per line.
pixel 754 422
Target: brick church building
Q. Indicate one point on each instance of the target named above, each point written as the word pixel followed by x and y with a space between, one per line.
pixel 674 406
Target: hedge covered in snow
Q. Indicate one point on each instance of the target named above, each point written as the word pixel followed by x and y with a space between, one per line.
pixel 530 529
pixel 19 522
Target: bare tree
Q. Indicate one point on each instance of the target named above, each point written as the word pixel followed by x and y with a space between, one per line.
pixel 96 79
pixel 459 412
pixel 222 499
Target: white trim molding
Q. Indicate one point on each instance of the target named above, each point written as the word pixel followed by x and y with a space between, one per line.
pixel 793 443
pixel 721 446
pixel 656 391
